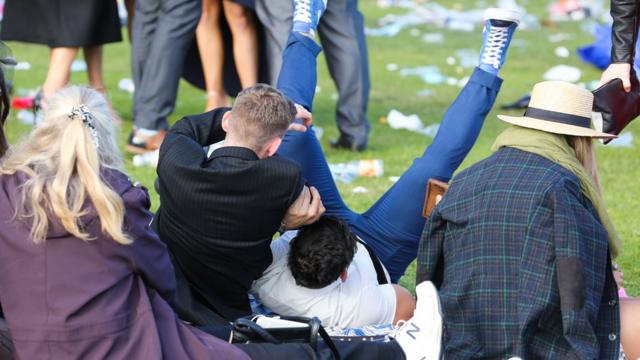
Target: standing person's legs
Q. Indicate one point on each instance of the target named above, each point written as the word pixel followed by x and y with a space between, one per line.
pixel 143 31
pixel 342 35
pixel 93 57
pixel 211 49
pixel 393 225
pixel 242 23
pixel 60 60
pixel 276 19
pixel 155 95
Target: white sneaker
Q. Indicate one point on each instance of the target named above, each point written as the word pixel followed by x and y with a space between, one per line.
pixel 421 336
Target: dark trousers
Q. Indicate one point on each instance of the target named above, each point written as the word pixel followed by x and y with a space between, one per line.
pixel 162 33
pixel 341 31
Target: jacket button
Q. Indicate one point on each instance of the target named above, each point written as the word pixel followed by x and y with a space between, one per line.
pixel 612 337
pixel 613 302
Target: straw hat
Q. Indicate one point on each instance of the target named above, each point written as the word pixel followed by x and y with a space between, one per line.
pixel 559 107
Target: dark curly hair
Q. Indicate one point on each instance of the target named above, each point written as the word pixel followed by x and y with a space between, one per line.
pixel 321 252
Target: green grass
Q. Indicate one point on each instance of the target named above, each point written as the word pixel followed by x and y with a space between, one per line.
pixel 528 60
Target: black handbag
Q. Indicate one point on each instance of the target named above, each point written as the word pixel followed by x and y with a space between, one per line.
pixel 245 330
pixel 617 106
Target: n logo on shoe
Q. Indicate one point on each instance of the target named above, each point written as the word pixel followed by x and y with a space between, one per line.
pixel 415 329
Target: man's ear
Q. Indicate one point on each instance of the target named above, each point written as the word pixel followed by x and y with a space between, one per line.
pixel 272 146
pixel 225 121
pixel 344 275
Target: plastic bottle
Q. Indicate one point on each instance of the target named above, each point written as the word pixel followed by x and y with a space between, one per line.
pixel 347 172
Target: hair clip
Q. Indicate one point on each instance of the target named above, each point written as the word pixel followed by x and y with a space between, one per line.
pixel 81 112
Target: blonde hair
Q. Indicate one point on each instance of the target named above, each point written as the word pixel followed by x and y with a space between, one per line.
pixel 585 153
pixel 63 158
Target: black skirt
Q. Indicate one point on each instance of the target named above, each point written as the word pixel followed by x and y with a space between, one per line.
pixel 61 23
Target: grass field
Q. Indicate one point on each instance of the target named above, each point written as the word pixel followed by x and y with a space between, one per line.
pixel 531 55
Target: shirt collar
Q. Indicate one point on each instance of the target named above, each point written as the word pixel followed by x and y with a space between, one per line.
pixel 234 151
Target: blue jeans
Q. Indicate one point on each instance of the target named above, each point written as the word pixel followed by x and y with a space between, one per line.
pixel 393 225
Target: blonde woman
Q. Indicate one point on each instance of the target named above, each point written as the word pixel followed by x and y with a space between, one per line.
pixel 521 245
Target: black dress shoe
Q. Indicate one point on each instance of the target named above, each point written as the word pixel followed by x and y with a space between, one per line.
pixel 345 144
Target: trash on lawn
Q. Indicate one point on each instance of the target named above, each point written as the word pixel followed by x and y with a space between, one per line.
pixel 433 38
pixel 22 103
pixel 23 65
pixel 150 158
pixel 126 85
pixel 520 104
pixel 78 65
pixel 467 58
pixel 392 67
pixel 398 120
pixel 563 73
pixel 359 190
pixel 625 140
pixel 559 37
pixel 334 96
pixel 432 13
pixel 394 179
pixel 349 171
pixel 26 117
pixel 598 54
pixel 318 131
pixel 451 60
pixel 429 74
pixel 562 52
pixel 414 32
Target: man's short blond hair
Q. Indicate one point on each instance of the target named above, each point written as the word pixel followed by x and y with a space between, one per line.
pixel 261 113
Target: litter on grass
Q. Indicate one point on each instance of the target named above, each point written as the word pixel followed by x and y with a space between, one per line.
pixel 432 13
pixel 78 65
pixel 23 66
pixel 625 140
pixel 398 120
pixel 429 74
pixel 562 52
pixel 563 73
pixel 349 171
pixel 359 190
pixel 126 85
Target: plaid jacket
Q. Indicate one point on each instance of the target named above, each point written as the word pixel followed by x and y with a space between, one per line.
pixel 522 264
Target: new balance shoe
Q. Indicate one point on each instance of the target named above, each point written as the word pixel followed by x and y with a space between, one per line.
pixel 421 336
pixel 307 14
pixel 500 24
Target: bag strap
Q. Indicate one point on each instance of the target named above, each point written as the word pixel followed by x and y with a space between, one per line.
pixel 382 277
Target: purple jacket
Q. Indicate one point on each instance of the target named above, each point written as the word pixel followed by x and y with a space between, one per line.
pixel 70 299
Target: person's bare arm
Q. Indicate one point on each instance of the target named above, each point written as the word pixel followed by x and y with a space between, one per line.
pixel 405 304
pixel 620 71
pixel 306 210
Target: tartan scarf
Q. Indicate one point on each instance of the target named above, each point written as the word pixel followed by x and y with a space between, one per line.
pixel 555 148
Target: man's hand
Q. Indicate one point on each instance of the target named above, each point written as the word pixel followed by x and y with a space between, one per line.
pixel 617 71
pixel 304 115
pixel 306 210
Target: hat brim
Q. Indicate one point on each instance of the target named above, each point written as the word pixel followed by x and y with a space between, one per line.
pixel 554 127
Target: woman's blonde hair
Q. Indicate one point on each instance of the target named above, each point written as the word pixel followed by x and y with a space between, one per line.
pixel 63 158
pixel 585 152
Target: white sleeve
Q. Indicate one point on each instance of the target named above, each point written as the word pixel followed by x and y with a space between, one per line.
pixel 377 305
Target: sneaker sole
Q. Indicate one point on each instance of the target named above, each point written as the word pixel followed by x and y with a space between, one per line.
pixel 427 290
pixel 503 14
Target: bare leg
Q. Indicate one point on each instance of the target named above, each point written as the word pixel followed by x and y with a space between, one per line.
pixel 242 23
pixel 60 60
pixel 211 48
pixel 93 57
pixel 131 9
pixel 630 327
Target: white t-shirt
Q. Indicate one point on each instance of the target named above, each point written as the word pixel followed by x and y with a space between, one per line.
pixel 356 302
